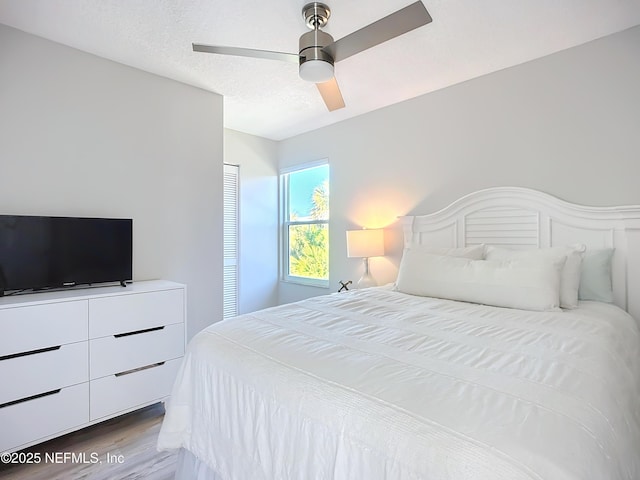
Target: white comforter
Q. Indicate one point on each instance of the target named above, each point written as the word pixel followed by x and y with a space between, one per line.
pixel 375 384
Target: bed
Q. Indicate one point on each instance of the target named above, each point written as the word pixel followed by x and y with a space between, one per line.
pixel 381 384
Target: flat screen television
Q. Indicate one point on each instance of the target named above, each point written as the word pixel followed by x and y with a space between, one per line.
pixel 54 252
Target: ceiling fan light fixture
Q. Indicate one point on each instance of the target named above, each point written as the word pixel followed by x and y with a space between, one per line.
pixel 316 71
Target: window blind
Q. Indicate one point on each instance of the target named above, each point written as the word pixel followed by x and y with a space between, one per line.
pixel 231 240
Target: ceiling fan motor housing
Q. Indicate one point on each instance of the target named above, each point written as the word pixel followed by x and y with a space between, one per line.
pixel 311 44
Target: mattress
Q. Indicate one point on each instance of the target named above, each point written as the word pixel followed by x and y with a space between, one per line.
pixel 376 384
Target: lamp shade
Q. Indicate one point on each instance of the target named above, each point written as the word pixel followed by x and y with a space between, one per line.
pixel 365 243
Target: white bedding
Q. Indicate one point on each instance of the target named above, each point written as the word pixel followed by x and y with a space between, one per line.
pixel 376 384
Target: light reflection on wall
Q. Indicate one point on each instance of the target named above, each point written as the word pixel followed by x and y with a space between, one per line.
pixel 380 208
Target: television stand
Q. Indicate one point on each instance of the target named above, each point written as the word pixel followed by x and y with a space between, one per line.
pixel 73 358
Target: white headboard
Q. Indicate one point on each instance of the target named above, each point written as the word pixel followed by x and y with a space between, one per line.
pixel 522 218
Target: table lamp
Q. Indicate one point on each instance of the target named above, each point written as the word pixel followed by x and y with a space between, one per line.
pixel 365 244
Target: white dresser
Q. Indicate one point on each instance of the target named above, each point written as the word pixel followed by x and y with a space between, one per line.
pixel 72 358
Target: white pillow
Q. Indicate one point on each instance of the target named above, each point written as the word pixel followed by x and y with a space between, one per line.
pixel 475 252
pixel 513 283
pixel 570 277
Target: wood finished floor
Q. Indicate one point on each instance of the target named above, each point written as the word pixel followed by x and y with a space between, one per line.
pixel 133 436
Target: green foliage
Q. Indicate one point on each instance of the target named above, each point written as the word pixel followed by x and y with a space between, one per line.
pixel 309 251
pixel 320 201
pixel 309 244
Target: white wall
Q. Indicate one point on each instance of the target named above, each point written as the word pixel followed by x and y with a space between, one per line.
pixel 257 158
pixel 567 124
pixel 81 135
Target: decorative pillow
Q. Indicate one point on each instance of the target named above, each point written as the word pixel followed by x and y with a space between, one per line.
pixel 475 252
pixel 519 284
pixel 570 277
pixel 595 280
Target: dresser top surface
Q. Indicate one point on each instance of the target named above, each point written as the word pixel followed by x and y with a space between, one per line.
pixel 84 293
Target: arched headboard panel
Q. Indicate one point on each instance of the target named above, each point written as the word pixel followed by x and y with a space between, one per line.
pixel 516 217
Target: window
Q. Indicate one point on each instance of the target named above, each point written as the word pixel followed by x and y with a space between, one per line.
pixel 306 225
pixel 230 247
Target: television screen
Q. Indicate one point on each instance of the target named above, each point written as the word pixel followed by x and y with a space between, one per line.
pixel 51 252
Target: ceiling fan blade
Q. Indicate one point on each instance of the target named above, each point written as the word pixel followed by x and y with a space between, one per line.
pixel 331 94
pixel 246 52
pixel 391 26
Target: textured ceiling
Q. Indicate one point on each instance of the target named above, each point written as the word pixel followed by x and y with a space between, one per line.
pixel 467 38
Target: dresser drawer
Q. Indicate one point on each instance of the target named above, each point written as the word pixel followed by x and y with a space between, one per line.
pixel 41 326
pixel 114 394
pixel 115 354
pixel 139 311
pixel 29 375
pixel 41 417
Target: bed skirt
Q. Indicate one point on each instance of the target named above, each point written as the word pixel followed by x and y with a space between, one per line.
pixel 189 467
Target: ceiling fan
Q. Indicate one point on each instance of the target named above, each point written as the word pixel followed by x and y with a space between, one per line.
pixel 318 51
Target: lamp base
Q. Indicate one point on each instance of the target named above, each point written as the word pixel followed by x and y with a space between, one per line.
pixel 366 280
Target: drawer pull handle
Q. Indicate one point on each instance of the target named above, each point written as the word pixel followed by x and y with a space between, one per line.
pixel 153 365
pixel 31 352
pixel 33 397
pixel 138 332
